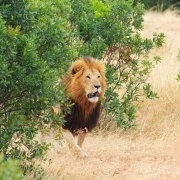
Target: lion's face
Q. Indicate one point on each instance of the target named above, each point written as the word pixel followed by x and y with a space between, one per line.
pixel 91 83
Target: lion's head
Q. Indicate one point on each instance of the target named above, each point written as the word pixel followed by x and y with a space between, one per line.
pixel 86 81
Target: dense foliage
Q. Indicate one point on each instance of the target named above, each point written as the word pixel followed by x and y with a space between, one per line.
pixel 40 38
pixel 159 4
pixel 36 48
pixel 9 169
pixel 111 30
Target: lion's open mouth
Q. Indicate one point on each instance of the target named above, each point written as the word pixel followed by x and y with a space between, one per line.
pixel 91 95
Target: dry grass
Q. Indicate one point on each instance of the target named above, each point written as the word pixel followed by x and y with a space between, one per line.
pixel 152 150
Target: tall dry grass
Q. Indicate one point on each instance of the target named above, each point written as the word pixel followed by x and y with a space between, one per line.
pixel 164 75
pixel 151 151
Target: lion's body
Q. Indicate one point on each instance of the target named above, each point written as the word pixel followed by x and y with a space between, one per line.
pixel 86 83
pixel 78 120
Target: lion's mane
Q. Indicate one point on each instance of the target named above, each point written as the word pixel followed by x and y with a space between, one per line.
pixel 84 114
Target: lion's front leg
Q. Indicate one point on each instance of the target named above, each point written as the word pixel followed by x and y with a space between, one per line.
pixel 72 143
pixel 80 139
pixel 80 135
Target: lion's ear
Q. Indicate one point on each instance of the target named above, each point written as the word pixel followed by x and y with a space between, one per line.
pixel 76 69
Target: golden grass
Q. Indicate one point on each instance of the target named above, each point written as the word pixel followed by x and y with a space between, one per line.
pixel 152 150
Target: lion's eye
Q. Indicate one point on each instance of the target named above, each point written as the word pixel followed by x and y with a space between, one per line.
pixel 98 77
pixel 88 77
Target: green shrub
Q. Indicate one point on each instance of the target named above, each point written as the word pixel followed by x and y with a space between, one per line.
pixel 110 30
pixel 9 170
pixel 159 5
pixel 36 49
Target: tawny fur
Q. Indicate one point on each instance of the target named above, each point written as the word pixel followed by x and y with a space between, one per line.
pixel 74 84
pixel 86 78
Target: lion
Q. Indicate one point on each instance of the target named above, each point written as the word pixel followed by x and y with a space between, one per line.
pixel 86 82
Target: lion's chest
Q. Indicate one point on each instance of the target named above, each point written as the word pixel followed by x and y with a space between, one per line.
pixel 78 119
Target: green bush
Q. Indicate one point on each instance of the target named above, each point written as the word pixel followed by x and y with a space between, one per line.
pixel 159 5
pixel 36 49
pixel 9 170
pixel 110 30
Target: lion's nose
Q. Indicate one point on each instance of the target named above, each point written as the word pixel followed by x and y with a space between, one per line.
pixel 97 86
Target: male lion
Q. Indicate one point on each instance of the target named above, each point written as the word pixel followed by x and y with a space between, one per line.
pixel 86 83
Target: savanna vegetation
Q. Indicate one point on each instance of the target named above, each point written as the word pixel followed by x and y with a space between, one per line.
pixel 159 5
pixel 39 39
